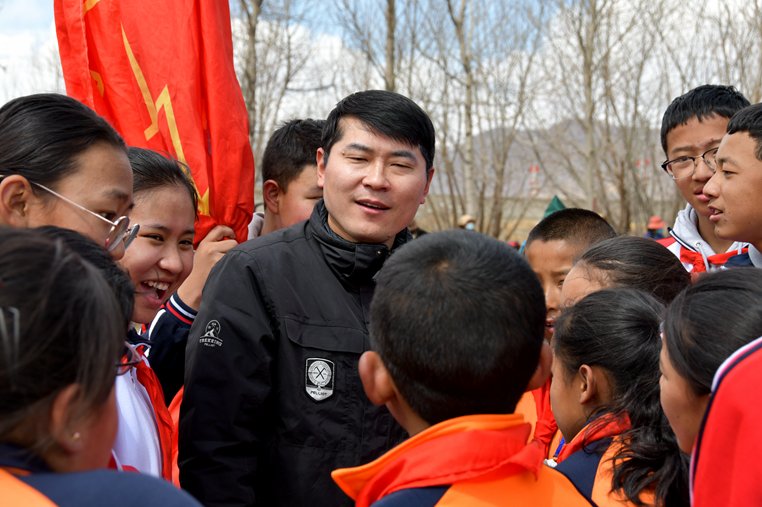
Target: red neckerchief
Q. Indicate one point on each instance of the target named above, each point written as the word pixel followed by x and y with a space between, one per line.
pixel 695 258
pixel 452 451
pixel 150 383
pixel 546 427
pixel 605 426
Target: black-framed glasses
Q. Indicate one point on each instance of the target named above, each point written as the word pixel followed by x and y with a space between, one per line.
pixel 120 229
pixel 683 167
pixel 130 358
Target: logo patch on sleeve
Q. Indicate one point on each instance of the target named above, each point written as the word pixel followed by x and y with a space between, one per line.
pixel 211 337
pixel 318 378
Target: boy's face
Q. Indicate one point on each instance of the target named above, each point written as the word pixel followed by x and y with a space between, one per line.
pixel 295 204
pixel 551 262
pixel 734 190
pixel 692 140
pixel 372 184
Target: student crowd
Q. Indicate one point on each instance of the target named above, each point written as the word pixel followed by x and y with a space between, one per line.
pixel 333 360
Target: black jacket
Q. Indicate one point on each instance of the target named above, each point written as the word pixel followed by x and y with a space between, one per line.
pixel 273 401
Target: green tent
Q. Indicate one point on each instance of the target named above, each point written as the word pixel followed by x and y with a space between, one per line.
pixel 554 205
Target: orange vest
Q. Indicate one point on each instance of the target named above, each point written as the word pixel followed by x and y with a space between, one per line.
pixel 481 457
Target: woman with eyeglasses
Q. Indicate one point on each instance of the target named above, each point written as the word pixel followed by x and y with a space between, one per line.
pixel 61 340
pixel 62 164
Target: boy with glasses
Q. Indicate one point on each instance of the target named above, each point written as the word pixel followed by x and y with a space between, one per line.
pixel 691 130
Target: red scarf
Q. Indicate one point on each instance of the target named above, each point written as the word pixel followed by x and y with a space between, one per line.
pixel 695 258
pixel 605 426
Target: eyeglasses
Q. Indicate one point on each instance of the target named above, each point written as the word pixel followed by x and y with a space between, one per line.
pixel 129 359
pixel 120 230
pixel 683 167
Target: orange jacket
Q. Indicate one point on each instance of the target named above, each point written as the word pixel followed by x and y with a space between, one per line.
pixel 482 457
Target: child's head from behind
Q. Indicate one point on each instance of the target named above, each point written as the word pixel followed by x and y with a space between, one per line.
pixel 117 279
pixel 626 261
pixel 605 361
pixel 62 334
pixel 456 320
pixel 161 256
pixel 289 173
pixel 703 326
pixel 554 244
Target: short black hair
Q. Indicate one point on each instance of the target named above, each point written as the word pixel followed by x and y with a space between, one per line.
pixel 458 319
pixel 749 120
pixel 152 170
pixel 386 113
pixel 638 263
pixel 710 320
pixel 574 225
pixel 42 136
pixel 95 254
pixel 291 148
pixel 701 102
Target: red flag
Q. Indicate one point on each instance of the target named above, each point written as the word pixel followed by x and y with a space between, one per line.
pixel 161 71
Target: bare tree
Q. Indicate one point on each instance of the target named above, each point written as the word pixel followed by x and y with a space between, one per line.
pixel 275 50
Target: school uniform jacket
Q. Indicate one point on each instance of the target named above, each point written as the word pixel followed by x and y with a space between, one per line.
pixel 724 465
pixel 466 461
pixel 25 481
pixel 273 401
pixel 693 251
pixel 145 433
pixel 167 337
pixel 587 461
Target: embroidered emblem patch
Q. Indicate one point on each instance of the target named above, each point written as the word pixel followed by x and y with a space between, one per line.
pixel 318 378
pixel 211 335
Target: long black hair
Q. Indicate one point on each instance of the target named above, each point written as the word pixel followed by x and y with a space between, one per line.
pixel 619 331
pixel 710 320
pixel 638 263
pixel 61 326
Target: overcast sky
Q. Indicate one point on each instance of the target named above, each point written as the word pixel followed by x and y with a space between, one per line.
pixel 28 48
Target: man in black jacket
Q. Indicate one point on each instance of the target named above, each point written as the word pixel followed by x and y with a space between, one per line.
pixel 273 401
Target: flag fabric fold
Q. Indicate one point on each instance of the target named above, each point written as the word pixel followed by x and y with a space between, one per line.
pixel 161 71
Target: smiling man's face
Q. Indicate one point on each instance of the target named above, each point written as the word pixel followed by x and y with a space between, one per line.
pixel 372 185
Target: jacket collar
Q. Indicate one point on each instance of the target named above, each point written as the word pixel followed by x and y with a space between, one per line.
pixel 20 461
pixel 454 450
pixel 353 263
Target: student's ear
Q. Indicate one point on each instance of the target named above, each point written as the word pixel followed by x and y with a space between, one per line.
pixel 271 195
pixel 15 197
pixel 588 384
pixel 321 158
pixel 376 381
pixel 63 421
pixel 542 373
